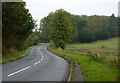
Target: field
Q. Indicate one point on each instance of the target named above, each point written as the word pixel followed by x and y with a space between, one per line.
pixel 105 51
pixel 107 47
pixel 98 60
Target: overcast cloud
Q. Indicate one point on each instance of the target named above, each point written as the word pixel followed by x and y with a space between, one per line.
pixel 41 8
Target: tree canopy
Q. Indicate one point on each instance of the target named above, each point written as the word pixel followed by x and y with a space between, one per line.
pixel 60 28
pixel 86 28
pixel 17 24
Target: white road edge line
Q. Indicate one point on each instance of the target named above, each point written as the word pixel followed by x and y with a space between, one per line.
pixel 18 71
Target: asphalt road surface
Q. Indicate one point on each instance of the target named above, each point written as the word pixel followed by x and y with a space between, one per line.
pixel 39 65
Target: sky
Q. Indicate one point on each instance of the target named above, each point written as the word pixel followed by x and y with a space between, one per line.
pixel 41 8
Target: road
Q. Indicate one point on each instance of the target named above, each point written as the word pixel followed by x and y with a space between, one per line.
pixel 39 65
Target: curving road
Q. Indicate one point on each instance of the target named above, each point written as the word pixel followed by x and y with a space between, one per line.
pixel 39 65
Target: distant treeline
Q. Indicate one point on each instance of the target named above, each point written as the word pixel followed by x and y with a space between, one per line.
pixel 92 28
pixel 86 28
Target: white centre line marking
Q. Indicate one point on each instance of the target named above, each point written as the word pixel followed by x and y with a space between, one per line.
pixel 41 54
pixel 18 71
pixel 41 58
pixel 36 62
pixel 28 66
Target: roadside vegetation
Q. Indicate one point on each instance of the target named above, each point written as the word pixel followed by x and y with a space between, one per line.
pixel 15 55
pixel 18 29
pixel 93 68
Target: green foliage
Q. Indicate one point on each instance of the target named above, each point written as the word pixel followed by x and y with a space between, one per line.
pixel 86 35
pixel 44 24
pixel 78 22
pixel 60 28
pixel 113 26
pixel 86 28
pixel 17 24
pixel 92 28
pixel 119 26
pixel 33 39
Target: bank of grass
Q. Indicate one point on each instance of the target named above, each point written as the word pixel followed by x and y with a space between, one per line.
pixel 16 55
pixel 91 69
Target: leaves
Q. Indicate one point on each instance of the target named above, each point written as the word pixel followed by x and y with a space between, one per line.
pixel 17 25
pixel 60 28
pixel 61 25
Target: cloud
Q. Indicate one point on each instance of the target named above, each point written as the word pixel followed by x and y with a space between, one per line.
pixel 41 8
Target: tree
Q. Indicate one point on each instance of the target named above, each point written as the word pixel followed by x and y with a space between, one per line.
pixel 119 25
pixel 113 26
pixel 44 24
pixel 86 28
pixel 60 28
pixel 79 22
pixel 86 35
pixel 17 24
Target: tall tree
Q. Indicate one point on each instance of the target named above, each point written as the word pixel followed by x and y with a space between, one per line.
pixel 17 23
pixel 60 28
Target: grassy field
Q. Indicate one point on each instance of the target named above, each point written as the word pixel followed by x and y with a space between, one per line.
pixel 109 46
pixel 105 51
pixel 98 60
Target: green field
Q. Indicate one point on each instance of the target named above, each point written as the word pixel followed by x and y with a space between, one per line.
pixel 109 46
pixel 98 60
pixel 105 51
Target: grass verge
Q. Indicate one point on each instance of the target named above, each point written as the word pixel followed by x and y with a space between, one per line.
pixel 91 69
pixel 16 55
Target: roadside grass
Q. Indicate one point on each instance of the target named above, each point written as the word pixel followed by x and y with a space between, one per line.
pixel 105 51
pixel 16 55
pixel 92 70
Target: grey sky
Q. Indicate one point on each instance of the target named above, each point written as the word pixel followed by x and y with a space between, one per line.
pixel 41 8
